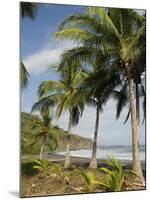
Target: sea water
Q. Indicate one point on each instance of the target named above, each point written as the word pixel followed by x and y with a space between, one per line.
pixel 118 152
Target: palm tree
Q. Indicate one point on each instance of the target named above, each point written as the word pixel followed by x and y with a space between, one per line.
pixel 122 97
pixel 44 131
pixel 27 10
pixel 96 88
pixel 65 95
pixel 117 33
pixel 138 70
pixel 100 85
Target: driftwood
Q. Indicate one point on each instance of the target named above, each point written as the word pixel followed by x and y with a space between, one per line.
pixel 136 184
pixel 77 189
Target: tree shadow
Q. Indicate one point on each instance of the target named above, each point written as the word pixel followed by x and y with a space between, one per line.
pixel 14 193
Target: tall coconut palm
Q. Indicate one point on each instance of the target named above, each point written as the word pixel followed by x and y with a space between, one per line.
pixel 65 95
pixel 97 87
pixel 44 131
pixel 116 32
pixel 100 84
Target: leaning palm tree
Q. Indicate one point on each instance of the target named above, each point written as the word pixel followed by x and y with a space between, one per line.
pixel 97 87
pixel 27 10
pixel 66 96
pixel 118 34
pixel 43 131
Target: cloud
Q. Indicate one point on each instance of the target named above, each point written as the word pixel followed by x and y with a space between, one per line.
pixel 40 61
pixel 111 132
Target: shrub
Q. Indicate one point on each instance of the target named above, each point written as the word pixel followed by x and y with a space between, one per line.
pixel 57 169
pixel 42 166
pixel 27 168
pixel 90 179
pixel 115 176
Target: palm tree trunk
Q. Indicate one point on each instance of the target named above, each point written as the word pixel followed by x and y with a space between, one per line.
pixel 41 152
pixel 137 102
pixel 135 130
pixel 93 161
pixel 42 147
pixel 67 158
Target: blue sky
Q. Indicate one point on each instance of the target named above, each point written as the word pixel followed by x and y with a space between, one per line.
pixel 39 50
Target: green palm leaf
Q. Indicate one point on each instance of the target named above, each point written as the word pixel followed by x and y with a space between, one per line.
pixel 24 76
pixel 104 19
pixel 75 34
pixel 28 10
pixel 50 87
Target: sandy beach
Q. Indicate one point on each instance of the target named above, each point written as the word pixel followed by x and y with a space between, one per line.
pixel 78 161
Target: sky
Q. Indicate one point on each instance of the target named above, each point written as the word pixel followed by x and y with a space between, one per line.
pixel 39 51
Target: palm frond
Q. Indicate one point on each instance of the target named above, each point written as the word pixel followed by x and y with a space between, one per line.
pixel 37 125
pixel 74 34
pixel 78 78
pixel 132 44
pixel 91 101
pixel 62 104
pixel 122 99
pixel 45 103
pixel 104 19
pixel 24 76
pixel 28 9
pixel 75 115
pixel 80 54
pixel 50 87
pixel 53 141
pixel 127 117
pixel 83 21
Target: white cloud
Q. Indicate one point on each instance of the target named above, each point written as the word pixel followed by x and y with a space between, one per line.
pixel 110 131
pixel 38 62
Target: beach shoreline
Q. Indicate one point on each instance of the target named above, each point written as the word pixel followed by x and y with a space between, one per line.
pixel 76 160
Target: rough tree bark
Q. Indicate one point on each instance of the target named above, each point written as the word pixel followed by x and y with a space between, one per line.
pixel 67 158
pixel 135 130
pixel 93 161
pixel 42 148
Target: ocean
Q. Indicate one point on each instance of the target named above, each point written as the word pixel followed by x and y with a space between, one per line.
pixel 118 152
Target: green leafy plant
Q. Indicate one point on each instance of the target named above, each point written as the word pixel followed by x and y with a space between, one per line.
pixel 42 166
pixel 57 169
pixel 90 180
pixel 77 172
pixel 115 175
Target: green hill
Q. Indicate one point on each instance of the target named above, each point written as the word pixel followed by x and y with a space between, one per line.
pixel 28 120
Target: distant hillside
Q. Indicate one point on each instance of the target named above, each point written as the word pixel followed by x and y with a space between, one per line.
pixel 28 120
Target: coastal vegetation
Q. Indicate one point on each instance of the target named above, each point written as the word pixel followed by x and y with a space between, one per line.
pixel 27 135
pixel 107 62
